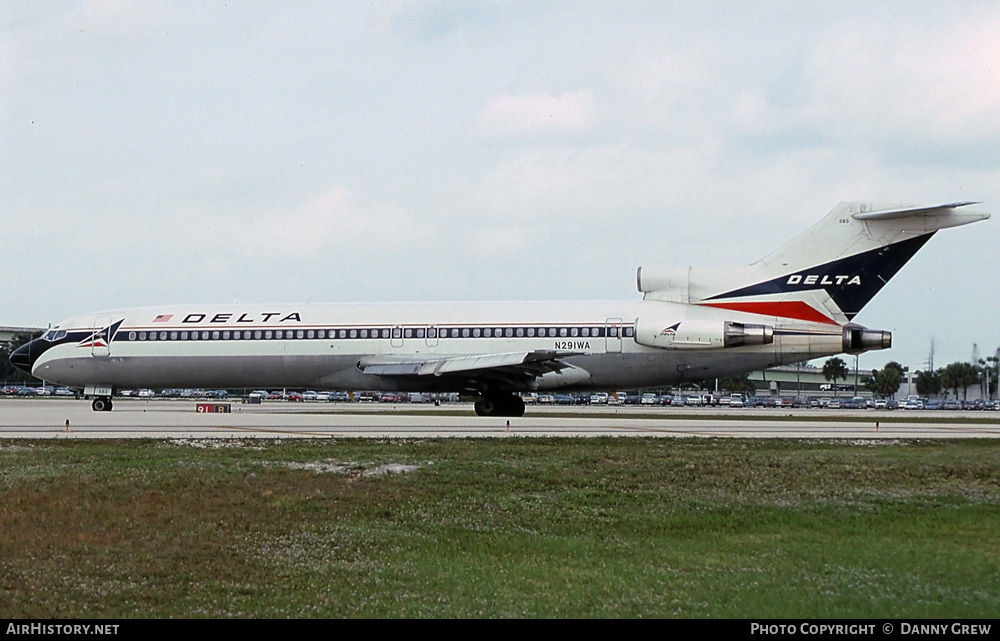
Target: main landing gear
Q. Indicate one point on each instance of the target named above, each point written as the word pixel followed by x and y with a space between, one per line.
pixel 101 404
pixel 503 405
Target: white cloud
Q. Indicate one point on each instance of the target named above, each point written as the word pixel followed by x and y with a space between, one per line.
pixel 938 83
pixel 119 18
pixel 332 220
pixel 508 115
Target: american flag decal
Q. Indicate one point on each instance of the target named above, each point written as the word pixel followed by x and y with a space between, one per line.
pixel 163 318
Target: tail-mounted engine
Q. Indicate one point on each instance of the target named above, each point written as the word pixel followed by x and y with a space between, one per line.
pixel 859 339
pixel 700 334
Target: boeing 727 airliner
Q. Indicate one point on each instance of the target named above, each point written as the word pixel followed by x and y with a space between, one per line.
pixel 692 323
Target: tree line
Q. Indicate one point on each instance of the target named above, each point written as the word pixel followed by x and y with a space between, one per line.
pixel 954 377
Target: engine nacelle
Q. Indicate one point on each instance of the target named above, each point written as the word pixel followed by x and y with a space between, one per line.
pixel 859 339
pixel 700 334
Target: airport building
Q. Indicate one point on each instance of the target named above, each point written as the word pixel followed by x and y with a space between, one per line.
pixel 8 333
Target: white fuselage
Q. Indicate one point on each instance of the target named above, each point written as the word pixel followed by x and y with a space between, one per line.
pixel 323 345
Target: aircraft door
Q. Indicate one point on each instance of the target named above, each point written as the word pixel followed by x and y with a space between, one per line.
pixel 396 337
pixel 613 335
pixel 100 340
pixel 431 339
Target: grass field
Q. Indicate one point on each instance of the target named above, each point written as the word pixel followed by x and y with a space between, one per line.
pixel 500 528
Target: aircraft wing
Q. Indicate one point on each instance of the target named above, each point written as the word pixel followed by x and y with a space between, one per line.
pixel 521 364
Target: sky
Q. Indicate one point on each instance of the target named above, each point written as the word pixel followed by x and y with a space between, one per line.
pixel 159 152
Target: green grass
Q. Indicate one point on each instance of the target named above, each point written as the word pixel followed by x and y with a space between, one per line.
pixel 500 528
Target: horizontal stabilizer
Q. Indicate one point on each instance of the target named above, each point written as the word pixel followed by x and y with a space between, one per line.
pixel 910 211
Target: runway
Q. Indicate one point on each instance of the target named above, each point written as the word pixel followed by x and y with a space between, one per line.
pixel 68 418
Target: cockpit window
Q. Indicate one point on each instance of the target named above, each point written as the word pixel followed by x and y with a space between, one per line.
pixel 54 335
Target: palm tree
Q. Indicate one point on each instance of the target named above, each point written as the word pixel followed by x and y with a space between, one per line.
pixel 834 369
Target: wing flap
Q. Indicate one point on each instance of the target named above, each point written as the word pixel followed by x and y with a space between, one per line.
pixel 535 363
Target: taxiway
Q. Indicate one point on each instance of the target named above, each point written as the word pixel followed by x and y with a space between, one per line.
pixel 62 418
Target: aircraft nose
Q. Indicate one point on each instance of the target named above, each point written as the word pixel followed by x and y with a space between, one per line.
pixel 22 357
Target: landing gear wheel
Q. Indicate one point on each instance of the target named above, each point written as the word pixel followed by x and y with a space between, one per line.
pixel 509 405
pixel 516 407
pixel 101 404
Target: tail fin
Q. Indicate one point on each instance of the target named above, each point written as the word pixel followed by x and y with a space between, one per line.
pixel 826 275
